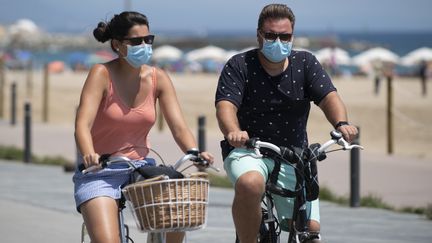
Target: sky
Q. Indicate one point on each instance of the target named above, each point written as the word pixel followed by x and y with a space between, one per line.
pixel 207 16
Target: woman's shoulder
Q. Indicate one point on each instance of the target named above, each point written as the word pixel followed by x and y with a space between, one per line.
pixel 100 70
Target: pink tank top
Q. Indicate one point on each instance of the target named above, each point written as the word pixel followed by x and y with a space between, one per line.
pixel 122 130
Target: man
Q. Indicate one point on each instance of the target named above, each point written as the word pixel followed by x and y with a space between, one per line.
pixel 266 93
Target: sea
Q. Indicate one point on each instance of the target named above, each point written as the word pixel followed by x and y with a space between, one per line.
pixel 400 43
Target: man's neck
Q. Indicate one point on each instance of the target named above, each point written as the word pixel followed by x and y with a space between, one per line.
pixel 273 68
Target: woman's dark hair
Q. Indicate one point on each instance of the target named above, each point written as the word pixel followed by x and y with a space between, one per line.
pixel 118 27
pixel 276 11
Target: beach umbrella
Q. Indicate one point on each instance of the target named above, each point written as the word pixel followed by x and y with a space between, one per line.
pixel 336 55
pixel 416 56
pixel 375 54
pixel 210 52
pixel 167 53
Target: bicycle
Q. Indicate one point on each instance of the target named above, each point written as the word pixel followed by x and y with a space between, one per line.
pixel 303 160
pixel 145 179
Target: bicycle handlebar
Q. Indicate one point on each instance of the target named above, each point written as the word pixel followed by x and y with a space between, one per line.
pixel 336 138
pixel 106 160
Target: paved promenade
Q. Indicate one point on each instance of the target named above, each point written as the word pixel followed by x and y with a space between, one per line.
pixel 36 202
pixel 399 181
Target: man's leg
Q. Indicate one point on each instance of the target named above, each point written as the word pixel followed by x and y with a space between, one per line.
pixel 246 208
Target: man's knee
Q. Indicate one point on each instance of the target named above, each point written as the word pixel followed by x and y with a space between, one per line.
pixel 314 226
pixel 250 185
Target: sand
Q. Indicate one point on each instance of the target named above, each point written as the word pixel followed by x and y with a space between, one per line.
pixel 411 112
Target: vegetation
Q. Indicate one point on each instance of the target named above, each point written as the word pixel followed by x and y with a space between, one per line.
pixel 372 201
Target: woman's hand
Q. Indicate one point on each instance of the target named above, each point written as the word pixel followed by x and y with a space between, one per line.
pixel 207 156
pixel 91 159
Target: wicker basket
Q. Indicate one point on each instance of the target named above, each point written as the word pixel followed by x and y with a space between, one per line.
pixel 161 204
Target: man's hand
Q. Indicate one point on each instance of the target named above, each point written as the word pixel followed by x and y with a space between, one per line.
pixel 349 132
pixel 238 138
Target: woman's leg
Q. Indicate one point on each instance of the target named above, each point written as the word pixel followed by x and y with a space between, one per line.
pixel 101 218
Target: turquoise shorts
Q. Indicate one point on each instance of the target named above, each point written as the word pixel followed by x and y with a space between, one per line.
pixel 240 161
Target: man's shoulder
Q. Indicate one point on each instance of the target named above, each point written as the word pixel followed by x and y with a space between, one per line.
pixel 301 53
pixel 245 55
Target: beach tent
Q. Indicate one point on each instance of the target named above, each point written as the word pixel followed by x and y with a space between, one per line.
pixel 375 54
pixel 212 53
pixel 339 56
pixel 416 56
pixel 230 54
pixel 167 53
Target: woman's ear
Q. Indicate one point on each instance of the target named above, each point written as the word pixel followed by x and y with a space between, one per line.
pixel 116 46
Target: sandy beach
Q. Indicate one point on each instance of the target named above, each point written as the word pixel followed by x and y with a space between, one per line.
pixel 411 111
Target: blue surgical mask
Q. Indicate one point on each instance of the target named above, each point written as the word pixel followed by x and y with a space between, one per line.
pixel 138 55
pixel 276 51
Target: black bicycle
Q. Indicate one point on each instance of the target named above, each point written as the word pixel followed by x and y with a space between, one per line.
pixel 304 162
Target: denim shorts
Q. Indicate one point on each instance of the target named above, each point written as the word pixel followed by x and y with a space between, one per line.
pixel 107 182
pixel 240 161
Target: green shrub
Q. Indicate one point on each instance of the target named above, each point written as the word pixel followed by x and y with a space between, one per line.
pixel 373 201
pixel 219 181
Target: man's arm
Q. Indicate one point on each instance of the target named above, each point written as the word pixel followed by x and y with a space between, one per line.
pixel 226 113
pixel 335 112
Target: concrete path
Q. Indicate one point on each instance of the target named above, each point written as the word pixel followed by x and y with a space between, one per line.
pixel 399 181
pixel 36 205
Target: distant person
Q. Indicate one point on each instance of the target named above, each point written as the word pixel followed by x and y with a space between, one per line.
pixel 115 115
pixel 266 93
pixel 377 68
pixel 334 67
pixel 423 76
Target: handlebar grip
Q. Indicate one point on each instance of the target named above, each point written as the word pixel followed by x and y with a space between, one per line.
pixel 250 143
pixel 102 160
pixel 81 167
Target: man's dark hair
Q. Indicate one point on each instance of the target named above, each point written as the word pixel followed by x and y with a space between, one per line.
pixel 275 11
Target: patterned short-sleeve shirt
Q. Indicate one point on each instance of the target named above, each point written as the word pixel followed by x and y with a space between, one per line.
pixel 275 109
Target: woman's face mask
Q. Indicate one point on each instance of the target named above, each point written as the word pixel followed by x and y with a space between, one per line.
pixel 139 55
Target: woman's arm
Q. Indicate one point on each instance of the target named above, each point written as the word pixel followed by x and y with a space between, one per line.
pixel 173 115
pixel 92 93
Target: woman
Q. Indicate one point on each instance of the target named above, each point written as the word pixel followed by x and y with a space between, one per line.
pixel 116 113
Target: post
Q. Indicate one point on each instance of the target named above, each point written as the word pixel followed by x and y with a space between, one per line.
pixel 2 87
pixel 201 133
pixel 389 115
pixel 45 95
pixel 355 173
pixel 13 103
pixel 29 83
pixel 160 120
pixel 27 132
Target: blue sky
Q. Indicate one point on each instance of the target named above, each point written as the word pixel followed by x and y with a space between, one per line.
pixel 204 16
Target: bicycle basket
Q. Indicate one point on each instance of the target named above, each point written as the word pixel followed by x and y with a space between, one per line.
pixel 162 205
